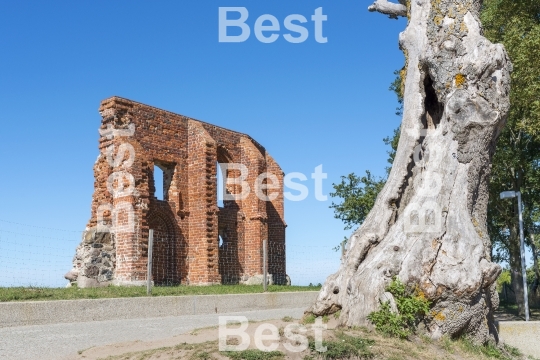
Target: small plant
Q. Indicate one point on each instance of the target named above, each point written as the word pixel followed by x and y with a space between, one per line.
pixel 253 354
pixel 337 314
pixel 325 319
pixel 411 307
pixel 309 319
pixel 343 347
pixel 287 319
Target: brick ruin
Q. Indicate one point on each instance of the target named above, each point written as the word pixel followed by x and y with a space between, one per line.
pixel 196 241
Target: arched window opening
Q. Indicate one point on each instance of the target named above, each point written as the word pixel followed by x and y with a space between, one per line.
pixel 158 183
pixel 163 178
pixel 220 184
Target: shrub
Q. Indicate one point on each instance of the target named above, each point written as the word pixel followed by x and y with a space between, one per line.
pixel 411 307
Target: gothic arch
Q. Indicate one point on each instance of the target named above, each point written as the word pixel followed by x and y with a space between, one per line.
pixel 166 248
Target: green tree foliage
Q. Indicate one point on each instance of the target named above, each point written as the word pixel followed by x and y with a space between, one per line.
pixel 503 279
pixel 397 88
pixel 516 163
pixel 358 194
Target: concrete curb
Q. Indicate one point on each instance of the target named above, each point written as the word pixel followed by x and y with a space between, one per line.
pixel 524 335
pixel 68 311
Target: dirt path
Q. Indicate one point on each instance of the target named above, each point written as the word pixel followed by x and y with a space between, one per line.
pixel 64 341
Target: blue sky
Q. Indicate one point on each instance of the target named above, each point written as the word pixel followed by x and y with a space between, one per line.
pixel 308 104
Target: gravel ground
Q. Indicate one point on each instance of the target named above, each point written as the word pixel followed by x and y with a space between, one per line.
pixel 63 341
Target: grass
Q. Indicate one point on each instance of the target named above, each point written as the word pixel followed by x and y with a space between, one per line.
pixel 202 351
pixel 490 351
pixel 253 354
pixel 343 347
pixel 447 344
pixel 341 344
pixel 43 293
pixel 308 319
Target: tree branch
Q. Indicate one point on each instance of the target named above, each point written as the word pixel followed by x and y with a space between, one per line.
pixel 388 8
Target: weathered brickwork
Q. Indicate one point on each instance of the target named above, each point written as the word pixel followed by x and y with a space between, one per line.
pixel 187 223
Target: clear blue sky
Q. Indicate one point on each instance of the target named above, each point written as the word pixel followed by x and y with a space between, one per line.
pixel 308 104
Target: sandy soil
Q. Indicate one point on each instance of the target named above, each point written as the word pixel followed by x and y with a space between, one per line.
pixel 202 344
pixel 189 345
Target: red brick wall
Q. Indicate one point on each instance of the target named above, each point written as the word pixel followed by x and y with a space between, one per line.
pixel 187 221
pixel 276 225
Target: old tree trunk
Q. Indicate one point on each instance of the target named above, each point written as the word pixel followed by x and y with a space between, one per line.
pixel 428 225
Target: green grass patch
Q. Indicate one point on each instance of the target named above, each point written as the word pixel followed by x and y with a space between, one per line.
pixel 490 351
pixel 254 355
pixel 72 293
pixel 308 319
pixel 343 347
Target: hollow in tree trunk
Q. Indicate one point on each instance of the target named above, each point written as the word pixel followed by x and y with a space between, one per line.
pixel 428 224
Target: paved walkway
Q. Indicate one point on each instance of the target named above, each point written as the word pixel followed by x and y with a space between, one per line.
pixel 63 341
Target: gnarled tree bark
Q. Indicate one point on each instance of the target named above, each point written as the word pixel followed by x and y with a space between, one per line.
pixel 428 225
